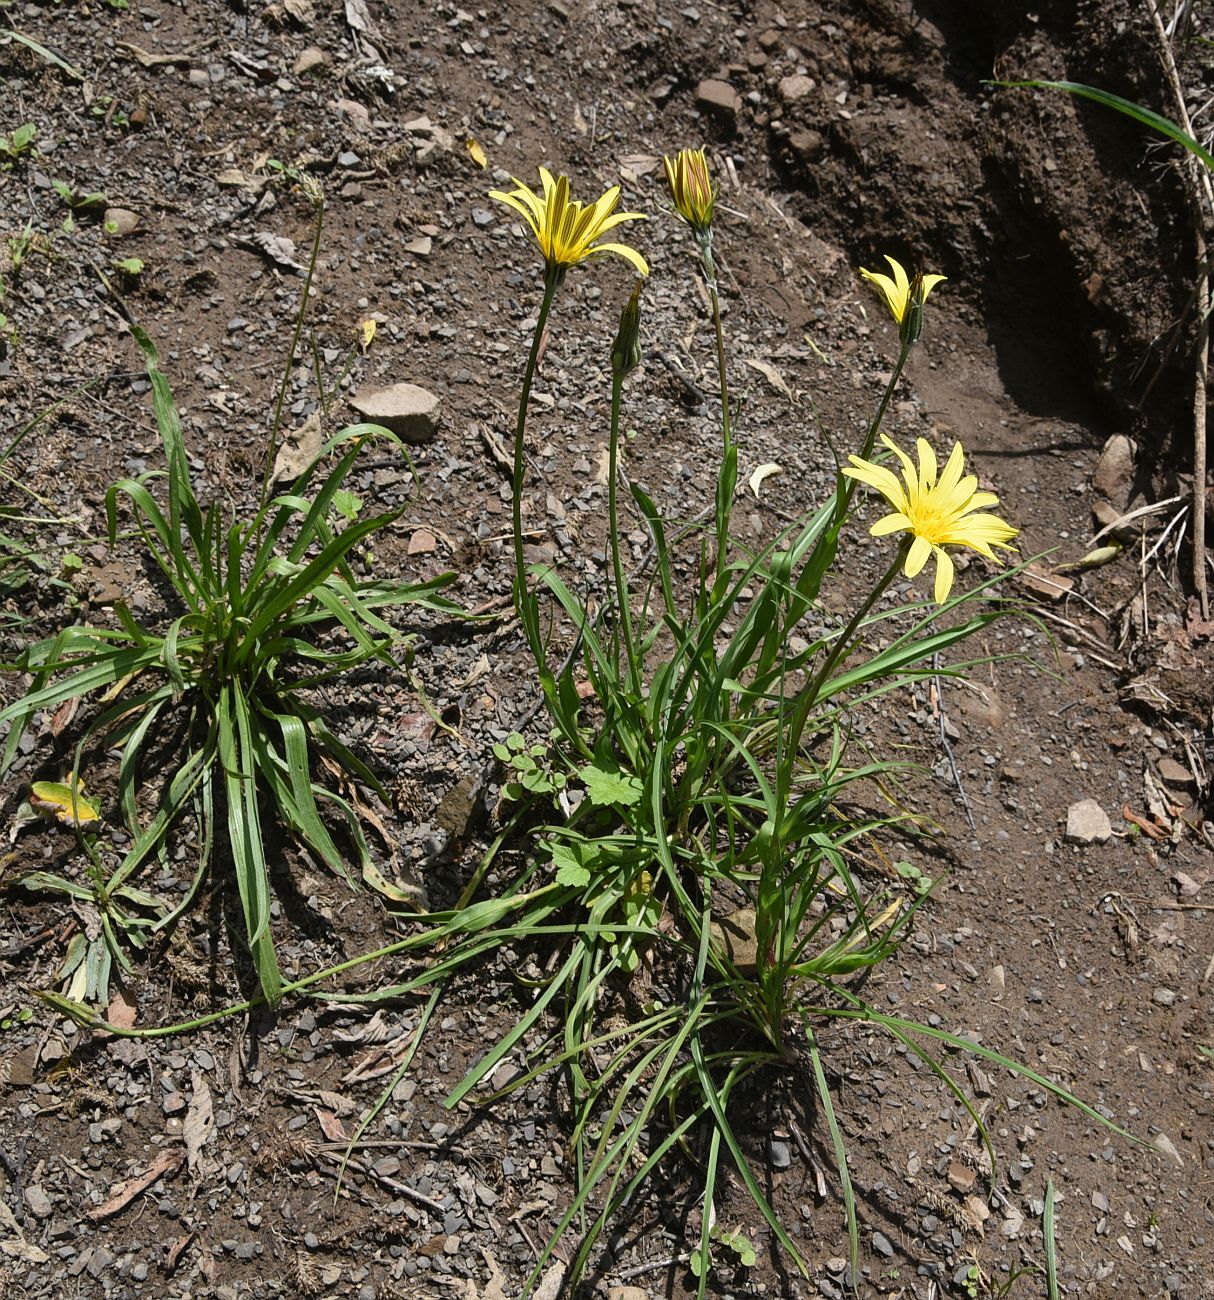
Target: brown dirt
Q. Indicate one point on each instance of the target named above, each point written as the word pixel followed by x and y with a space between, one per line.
pixel 1064 241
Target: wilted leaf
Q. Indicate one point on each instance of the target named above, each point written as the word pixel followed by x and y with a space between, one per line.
pixel 368 328
pixel 330 1125
pixel 125 1192
pixel 762 473
pixel 1165 1146
pixel 772 375
pixel 64 801
pixel 477 154
pixel 279 248
pixel 122 1012
pixel 199 1122
pixel 298 450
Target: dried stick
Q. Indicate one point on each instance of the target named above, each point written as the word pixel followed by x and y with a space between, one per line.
pixel 1200 186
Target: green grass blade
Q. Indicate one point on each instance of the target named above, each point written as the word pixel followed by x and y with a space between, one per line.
pixel 840 1149
pixel 1144 116
pixel 1051 1251
pixel 235 753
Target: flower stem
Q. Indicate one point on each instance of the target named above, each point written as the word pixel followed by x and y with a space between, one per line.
pixel 727 477
pixel 621 583
pixel 521 604
pixel 848 487
pixel 276 427
pixel 839 652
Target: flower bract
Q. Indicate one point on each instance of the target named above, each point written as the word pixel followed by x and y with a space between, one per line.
pixel 936 511
pixel 691 188
pixel 566 230
pixel 904 297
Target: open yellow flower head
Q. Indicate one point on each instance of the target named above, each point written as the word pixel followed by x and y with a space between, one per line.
pixel 936 512
pixel 568 231
pixel 904 297
pixel 691 188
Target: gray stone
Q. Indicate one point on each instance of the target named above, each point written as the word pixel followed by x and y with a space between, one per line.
pixel 37 1201
pixel 882 1245
pixel 1114 472
pixel 1087 823
pixel 808 146
pixel 781 1154
pixel 796 88
pixel 718 98
pixel 119 221
pixel 410 412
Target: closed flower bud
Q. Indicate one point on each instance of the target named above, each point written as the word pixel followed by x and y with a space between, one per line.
pixel 626 350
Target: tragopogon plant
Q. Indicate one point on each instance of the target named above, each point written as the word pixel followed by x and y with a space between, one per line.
pixel 268 609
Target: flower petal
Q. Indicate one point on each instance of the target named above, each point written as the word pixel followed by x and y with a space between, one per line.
pixel 877 476
pixel 917 557
pixel 894 523
pixel 927 464
pixel 622 250
pixel 944 575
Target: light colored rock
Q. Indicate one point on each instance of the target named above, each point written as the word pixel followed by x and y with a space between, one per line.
pixel 119 221
pixel 626 1293
pixel 734 937
pixel 718 98
pixel 796 88
pixel 1113 476
pixel 309 60
pixel 1087 823
pixel 410 412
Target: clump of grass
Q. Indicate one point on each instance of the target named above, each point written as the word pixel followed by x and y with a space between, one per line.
pixel 699 791
pixel 269 608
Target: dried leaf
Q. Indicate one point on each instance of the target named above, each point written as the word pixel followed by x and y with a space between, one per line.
pixel 122 1012
pixel 199 1122
pixel 330 1125
pixel 763 473
pixel 772 375
pixel 550 1285
pixel 299 449
pixel 477 154
pixel 176 1250
pixel 146 59
pixel 279 248
pixel 1165 1146
pixel 125 1192
pixel 368 328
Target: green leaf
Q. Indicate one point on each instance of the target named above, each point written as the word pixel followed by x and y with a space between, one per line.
pixel 606 787
pixel 1145 116
pixel 571 870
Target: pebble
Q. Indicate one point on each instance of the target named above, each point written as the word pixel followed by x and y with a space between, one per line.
pixel 37 1201
pixel 411 412
pixel 781 1154
pixel 720 99
pixel 119 221
pixel 1087 823
pixel 882 1245
pixel 795 88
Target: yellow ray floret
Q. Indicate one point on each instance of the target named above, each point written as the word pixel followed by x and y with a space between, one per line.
pixel 937 512
pixel 691 187
pixel 567 231
pixel 900 292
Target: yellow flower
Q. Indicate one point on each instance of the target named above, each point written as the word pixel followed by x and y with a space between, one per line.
pixel 935 512
pixel 903 297
pixel 691 188
pixel 565 229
